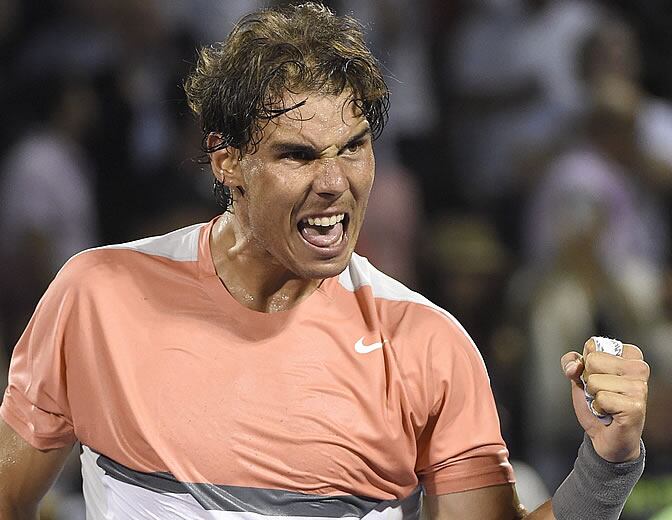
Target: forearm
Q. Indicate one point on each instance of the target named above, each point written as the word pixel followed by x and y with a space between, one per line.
pixel 26 474
pixel 543 512
pixel 594 489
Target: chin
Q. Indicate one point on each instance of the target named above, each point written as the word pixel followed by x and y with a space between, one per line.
pixel 319 270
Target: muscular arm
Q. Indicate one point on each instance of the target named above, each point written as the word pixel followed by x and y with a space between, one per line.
pixel 495 502
pixel 619 385
pixel 26 474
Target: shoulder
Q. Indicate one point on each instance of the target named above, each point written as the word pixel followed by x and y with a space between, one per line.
pixel 108 264
pixel 408 313
pixel 394 296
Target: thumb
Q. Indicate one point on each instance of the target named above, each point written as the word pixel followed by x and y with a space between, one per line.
pixel 572 366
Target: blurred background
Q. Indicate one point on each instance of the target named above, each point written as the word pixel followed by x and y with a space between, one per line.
pixel 523 183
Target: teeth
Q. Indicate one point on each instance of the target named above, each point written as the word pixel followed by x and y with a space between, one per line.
pixel 325 221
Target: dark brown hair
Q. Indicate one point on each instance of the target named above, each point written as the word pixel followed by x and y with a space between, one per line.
pixel 238 86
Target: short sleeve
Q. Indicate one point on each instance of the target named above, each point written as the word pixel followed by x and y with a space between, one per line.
pixel 461 448
pixel 35 403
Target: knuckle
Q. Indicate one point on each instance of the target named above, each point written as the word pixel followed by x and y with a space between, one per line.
pixel 600 404
pixel 636 349
pixel 639 369
pixel 645 370
pixel 642 389
pixel 597 383
pixel 638 407
pixel 640 352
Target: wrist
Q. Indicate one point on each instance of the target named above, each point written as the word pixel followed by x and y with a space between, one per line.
pixel 596 488
pixel 617 457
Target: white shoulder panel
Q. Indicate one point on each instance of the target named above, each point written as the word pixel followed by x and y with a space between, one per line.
pixel 360 273
pixel 180 245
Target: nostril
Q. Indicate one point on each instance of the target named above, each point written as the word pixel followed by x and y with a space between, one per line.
pixel 331 181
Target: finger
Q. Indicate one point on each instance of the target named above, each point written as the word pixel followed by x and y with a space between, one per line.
pixel 583 413
pixel 589 347
pixel 572 365
pixel 635 388
pixel 632 352
pixel 603 363
pixel 619 405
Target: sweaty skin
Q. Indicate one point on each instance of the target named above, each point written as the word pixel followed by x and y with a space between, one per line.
pixel 315 161
pixel 330 152
pixel 619 385
pixel 328 178
pixel 318 162
pixel 25 474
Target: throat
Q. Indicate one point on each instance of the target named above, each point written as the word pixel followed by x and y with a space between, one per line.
pixel 282 299
pixel 264 290
pixel 250 275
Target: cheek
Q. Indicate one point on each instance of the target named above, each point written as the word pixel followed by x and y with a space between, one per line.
pixel 271 204
pixel 362 180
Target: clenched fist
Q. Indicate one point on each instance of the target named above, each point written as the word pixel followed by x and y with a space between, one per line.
pixel 619 385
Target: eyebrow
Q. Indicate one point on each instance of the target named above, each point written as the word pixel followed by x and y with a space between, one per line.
pixel 357 137
pixel 289 147
pixel 283 147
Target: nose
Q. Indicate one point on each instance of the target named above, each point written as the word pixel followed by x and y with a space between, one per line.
pixel 330 178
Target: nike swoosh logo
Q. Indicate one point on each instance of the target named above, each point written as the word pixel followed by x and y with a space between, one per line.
pixel 361 348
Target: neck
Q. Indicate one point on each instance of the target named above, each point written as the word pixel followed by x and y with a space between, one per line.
pixel 251 274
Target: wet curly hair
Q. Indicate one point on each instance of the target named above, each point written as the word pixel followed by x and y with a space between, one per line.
pixel 237 86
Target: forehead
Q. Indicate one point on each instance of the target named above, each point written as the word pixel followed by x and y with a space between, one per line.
pixel 318 118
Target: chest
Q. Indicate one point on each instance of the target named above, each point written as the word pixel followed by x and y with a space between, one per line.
pixel 313 407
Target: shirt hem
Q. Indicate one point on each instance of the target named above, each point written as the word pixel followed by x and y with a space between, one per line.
pixel 39 442
pixel 465 484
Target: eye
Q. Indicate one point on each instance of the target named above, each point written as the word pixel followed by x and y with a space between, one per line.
pixel 353 148
pixel 297 155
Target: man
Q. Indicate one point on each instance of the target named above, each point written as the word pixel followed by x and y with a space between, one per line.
pixel 255 364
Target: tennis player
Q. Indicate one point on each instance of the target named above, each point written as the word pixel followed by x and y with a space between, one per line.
pixel 255 366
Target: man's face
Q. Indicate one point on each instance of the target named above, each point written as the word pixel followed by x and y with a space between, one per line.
pixel 307 186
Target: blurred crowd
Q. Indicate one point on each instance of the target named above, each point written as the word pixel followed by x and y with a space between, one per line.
pixel 524 181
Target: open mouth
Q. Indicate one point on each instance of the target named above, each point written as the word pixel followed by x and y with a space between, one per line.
pixel 324 231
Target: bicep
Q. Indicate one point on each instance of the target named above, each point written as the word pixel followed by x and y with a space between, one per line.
pixel 488 503
pixel 26 473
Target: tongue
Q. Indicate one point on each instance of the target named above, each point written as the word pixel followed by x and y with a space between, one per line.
pixel 322 236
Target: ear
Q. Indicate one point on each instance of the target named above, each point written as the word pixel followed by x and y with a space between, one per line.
pixel 225 163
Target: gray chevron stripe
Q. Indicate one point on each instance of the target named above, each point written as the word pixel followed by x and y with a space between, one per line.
pixel 269 502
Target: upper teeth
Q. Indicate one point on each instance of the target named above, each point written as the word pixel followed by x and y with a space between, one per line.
pixel 326 221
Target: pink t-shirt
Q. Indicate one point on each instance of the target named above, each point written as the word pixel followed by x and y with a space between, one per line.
pixel 187 402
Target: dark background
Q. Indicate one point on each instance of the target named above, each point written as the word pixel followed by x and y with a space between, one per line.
pixel 523 182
